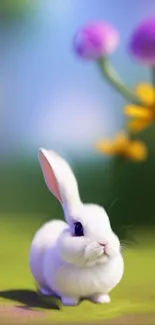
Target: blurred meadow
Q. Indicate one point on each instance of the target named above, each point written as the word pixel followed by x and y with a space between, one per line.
pixel 50 98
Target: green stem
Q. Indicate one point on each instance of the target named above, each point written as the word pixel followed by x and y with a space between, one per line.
pixel 153 82
pixel 153 76
pixel 112 77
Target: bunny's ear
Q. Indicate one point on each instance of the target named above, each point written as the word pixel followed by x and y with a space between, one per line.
pixel 60 180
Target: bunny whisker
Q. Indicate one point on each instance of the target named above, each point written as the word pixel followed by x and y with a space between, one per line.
pixel 113 203
pixel 123 247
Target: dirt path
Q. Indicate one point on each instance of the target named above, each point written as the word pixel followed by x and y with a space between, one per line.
pixel 146 319
pixel 17 315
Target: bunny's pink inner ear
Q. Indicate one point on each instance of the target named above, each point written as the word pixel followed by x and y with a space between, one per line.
pixel 49 176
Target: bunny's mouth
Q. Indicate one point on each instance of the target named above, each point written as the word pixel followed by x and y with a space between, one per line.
pixel 102 259
pixel 103 256
pixel 104 251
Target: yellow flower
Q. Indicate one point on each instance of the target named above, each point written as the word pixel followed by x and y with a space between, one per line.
pixel 124 147
pixel 142 116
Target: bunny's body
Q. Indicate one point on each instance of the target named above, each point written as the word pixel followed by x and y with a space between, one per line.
pixel 80 258
pixel 44 240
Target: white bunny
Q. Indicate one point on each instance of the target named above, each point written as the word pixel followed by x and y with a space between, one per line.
pixel 79 258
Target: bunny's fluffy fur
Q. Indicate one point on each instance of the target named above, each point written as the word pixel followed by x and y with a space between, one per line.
pixel 71 267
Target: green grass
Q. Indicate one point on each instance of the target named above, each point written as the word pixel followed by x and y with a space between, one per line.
pixel 135 293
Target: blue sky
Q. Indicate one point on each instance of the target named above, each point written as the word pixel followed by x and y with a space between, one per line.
pixel 50 97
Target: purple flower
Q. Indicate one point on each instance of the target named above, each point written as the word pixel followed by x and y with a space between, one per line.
pixel 96 40
pixel 142 43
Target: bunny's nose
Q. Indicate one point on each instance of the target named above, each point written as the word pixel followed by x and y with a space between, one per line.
pixel 102 244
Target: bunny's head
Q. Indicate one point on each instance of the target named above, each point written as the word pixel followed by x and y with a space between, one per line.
pixel 88 240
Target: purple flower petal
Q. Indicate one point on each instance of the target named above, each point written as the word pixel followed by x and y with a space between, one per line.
pixel 95 40
pixel 142 43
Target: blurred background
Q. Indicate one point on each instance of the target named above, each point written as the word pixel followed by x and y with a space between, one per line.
pixel 49 98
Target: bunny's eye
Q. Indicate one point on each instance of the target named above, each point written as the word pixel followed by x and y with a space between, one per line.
pixel 78 229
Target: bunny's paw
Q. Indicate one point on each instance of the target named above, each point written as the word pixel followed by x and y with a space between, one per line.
pixel 100 299
pixel 68 301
